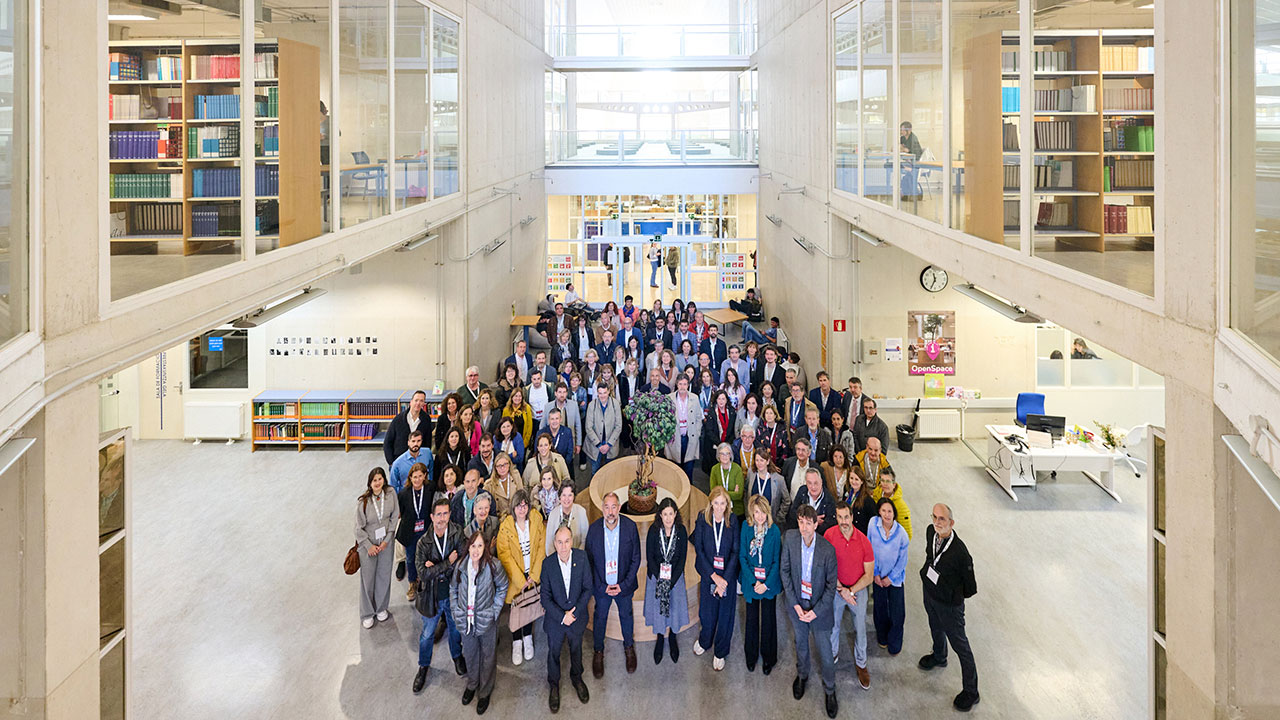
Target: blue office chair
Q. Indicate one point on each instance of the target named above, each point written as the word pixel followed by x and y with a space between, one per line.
pixel 1029 404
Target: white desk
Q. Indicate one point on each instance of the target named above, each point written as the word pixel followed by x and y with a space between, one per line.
pixel 1013 467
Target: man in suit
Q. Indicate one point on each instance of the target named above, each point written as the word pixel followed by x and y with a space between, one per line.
pixel 814 494
pixel 658 332
pixel 714 347
pixel 655 383
pixel 415 417
pixel 796 406
pixel 613 546
pixel 629 331
pixel 470 390
pixel 795 467
pixel 604 349
pixel 682 334
pixel 583 339
pixel 868 425
pixel 819 437
pixel 948 579
pixel 770 371
pixel 851 403
pixel 566 588
pixel 809 581
pixel 521 359
pixel 827 400
pixel 739 366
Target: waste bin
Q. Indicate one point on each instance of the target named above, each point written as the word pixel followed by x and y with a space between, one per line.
pixel 906 437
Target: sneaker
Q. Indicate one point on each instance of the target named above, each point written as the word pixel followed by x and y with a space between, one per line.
pixel 412 592
pixel 717 664
pixel 367 622
pixel 528 647
pixel 517 652
pixel 382 616
pixel 697 648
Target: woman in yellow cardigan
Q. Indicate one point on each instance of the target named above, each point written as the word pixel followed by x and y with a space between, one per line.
pixel 521 539
pixel 728 474
pixel 890 488
pixel 520 413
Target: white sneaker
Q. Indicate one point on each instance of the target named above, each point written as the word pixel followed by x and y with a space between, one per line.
pixel 367 622
pixel 382 616
pixel 528 646
pixel 516 656
pixel 717 664
pixel 697 648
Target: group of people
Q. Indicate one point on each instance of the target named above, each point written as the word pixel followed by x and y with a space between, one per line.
pixel 483 511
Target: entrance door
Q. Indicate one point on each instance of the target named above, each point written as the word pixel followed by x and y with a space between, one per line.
pixel 636 275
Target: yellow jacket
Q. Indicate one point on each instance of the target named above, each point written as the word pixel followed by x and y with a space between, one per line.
pixel 859 460
pixel 513 560
pixel 524 418
pixel 904 512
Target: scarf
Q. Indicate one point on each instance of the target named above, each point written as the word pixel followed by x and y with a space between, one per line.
pixel 663 590
pixel 757 543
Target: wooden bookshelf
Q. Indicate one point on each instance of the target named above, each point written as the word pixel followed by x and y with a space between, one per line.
pixel 347 409
pixel 298 204
pixel 1074 209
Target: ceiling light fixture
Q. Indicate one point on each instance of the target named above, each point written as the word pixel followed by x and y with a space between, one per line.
pixel 1015 313
pixel 267 314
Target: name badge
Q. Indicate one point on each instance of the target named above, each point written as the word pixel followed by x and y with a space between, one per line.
pixel 932 575
pixel 806 590
pixel 664 571
pixel 717 562
pixel 379 534
pixel 420 526
pixel 611 567
pixel 760 574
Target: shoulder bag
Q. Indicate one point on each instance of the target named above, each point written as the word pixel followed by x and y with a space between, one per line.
pixel 351 565
pixel 526 607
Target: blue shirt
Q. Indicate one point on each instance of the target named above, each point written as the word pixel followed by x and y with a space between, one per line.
pixel 806 559
pixel 611 538
pixel 890 551
pixel 400 468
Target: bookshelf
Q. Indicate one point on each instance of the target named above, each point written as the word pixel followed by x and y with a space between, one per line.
pixel 175 146
pixel 1092 148
pixel 301 418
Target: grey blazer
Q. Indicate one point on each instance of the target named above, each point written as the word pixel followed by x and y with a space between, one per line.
pixel 603 426
pixel 693 452
pixel 779 503
pixel 822 576
pixel 367 522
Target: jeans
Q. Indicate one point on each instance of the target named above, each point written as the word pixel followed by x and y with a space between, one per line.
pixel 626 618
pixel 653 276
pixel 684 449
pixel 762 631
pixel 596 462
pixel 946 624
pixel 890 615
pixel 750 333
pixel 859 627
pixel 410 567
pixel 426 641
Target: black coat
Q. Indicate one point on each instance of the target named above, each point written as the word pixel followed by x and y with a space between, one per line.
pixel 396 441
pixel 653 552
pixel 956 579
pixel 711 435
pixel 778 379
pixel 863 429
pixel 409 516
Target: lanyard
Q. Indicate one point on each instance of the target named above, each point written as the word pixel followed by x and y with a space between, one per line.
pixel 815 504
pixel 938 554
pixel 760 485
pixel 717 531
pixel 668 546
pixel 418 496
pixel 382 501
pixel 441 544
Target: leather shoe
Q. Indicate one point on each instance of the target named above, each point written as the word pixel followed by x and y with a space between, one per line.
pixel 832 705
pixel 864 678
pixel 751 666
pixel 482 704
pixel 467 696
pixel 965 700
pixel 659 647
pixel 797 687
pixel 766 668
pixel 460 665
pixel 929 662
pixel 673 648
pixel 553 699
pixel 420 679
pixel 630 652
pixel 581 687
pixel 400 570
pixel 597 664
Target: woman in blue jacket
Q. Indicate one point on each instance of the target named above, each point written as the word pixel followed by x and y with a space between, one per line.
pixel 758 554
pixel 889 543
pixel 715 544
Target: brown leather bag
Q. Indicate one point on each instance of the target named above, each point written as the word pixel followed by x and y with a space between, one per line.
pixel 351 565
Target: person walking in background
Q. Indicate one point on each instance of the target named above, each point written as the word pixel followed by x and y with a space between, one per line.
pixel 566 588
pixel 666 600
pixel 715 546
pixel 948 580
pixel 759 552
pixel 437 551
pixel 613 546
pixel 377 515
pixel 476 594
pixel 654 255
pixel 889 545
pixel 809 580
pixel 521 539
pixel 855 567
pixel 673 264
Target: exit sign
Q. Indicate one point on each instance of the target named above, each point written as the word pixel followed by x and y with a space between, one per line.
pixel 838 325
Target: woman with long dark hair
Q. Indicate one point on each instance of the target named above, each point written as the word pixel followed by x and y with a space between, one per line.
pixel 476 595
pixel 666 600
pixel 377 516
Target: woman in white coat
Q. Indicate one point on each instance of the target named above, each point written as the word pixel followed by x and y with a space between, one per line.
pixel 683 448
pixel 604 428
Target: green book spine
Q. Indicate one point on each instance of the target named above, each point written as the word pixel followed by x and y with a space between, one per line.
pixel 1106 179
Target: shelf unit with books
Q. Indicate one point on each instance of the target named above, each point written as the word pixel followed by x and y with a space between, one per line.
pixel 350 418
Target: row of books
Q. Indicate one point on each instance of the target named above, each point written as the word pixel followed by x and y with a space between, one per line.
pixel 128 106
pixel 266 141
pixel 266 180
pixel 1009 61
pixel 1128 174
pixel 321 409
pixel 267 106
pixel 131 66
pixel 1053 215
pixel 1132 134
pixel 1079 98
pixel 222 141
pixel 1051 60
pixel 275 409
pixel 1012 215
pixel 1128 99
pixel 218 107
pixel 361 431
pixel 227 67
pixel 146 185
pixel 160 144
pixel 147 219
pixel 275 431
pixel 1010 140
pixel 1055 135
pixel 1127 219
pixel 1055 174
pixel 1120 58
pixel 374 409
pixel 215 220
pixel 124 66
pixel 215 182
pixel 322 431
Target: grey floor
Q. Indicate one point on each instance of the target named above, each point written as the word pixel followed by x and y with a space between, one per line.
pixel 1129 265
pixel 240 608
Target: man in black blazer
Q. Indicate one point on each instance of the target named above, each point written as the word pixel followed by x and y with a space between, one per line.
pixel 604 348
pixel 415 417
pixel 827 400
pixel 566 588
pixel 851 402
pixel 809 581
pixel 613 546
pixel 658 331
pixel 869 425
pixel 770 370
pixel 948 579
pixel 714 347
pixel 521 359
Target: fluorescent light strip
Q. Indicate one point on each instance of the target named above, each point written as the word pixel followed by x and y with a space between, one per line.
pixel 1009 310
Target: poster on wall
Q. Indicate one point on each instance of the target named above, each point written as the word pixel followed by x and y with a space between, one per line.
pixel 733 272
pixel 931 337
pixel 559 272
pixel 893 349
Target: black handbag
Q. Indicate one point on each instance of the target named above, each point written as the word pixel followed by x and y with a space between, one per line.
pixel 425 601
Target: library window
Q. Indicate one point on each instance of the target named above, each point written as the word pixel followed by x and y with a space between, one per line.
pixel 1075 183
pixel 220 360
pixel 189 192
pixel 14 243
pixel 1255 152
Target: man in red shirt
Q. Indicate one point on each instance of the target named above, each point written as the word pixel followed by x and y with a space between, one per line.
pixel 855 567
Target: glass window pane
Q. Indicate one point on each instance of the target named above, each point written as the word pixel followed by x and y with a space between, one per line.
pixel 879 138
pixel 111 589
pixel 364 115
pixel 847 101
pixel 111 489
pixel 445 103
pixel 220 359
pixel 920 133
pixel 111 675
pixel 1093 366
pixel 413 103
pixel 14 244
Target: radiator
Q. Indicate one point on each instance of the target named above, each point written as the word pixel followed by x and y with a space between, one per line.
pixel 938 424
pixel 213 420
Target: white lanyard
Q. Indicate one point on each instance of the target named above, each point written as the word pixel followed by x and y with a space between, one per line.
pixel 938 554
pixel 815 504
pixel 418 496
pixel 441 544
pixel 382 501
pixel 760 485
pixel 668 546
pixel 717 530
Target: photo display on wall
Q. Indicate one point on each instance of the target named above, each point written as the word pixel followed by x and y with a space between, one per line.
pixel 733 271
pixel 931 342
pixel 324 346
pixel 559 272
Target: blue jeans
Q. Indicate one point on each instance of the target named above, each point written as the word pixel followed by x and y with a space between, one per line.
pixel 410 568
pixel 597 461
pixel 687 466
pixel 750 333
pixel 426 641
pixel 653 276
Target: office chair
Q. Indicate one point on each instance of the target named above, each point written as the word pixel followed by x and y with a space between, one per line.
pixel 1135 440
pixel 1029 404
pixel 361 157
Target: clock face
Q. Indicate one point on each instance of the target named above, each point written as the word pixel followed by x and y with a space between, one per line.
pixel 933 279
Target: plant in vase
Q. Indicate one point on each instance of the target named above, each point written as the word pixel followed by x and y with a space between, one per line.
pixel 1112 439
pixel 653 425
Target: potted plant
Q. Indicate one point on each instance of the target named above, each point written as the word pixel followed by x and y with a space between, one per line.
pixel 653 425
pixel 1112 439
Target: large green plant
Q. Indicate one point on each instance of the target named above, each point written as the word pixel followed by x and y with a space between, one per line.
pixel 653 425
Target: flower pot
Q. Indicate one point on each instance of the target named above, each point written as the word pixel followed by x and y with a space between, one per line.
pixel 641 504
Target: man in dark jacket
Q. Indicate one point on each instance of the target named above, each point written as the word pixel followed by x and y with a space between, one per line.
pixel 415 417
pixel 948 579
pixel 566 588
pixel 613 546
pixel 827 399
pixel 435 554
pixel 869 425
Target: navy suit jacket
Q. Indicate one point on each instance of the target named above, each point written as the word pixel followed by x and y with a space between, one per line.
pixel 624 337
pixel 719 353
pixel 704 547
pixel 554 599
pixel 833 403
pixel 652 335
pixel 628 555
pixel 528 367
pixel 605 352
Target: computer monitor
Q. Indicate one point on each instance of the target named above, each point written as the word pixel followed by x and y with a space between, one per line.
pixel 1055 425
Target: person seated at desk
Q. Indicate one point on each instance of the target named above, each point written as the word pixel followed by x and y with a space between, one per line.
pixel 908 143
pixel 573 300
pixel 1080 350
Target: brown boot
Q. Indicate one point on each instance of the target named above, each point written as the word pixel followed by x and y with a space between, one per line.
pixel 630 651
pixel 597 664
pixel 864 678
pixel 413 591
